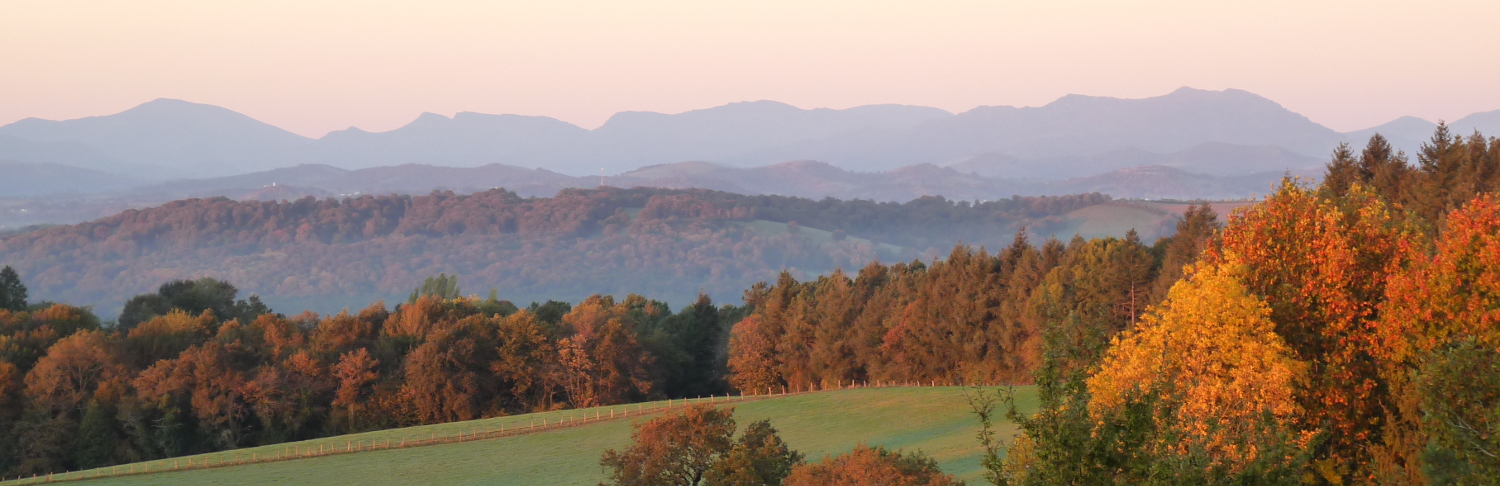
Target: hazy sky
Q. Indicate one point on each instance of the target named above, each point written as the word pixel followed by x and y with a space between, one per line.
pixel 311 67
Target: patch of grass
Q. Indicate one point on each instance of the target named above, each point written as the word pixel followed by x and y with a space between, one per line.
pixel 1115 219
pixel 817 236
pixel 934 419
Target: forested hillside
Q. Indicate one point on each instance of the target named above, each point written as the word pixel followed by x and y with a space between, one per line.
pixel 1339 334
pixel 330 253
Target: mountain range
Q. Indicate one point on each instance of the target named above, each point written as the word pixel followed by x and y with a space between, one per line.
pixel 1188 144
pixel 1075 136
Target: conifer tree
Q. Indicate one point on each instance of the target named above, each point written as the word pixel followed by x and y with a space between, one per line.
pixel 12 292
pixel 1343 171
pixel 1194 233
pixel 95 445
pixel 1387 171
pixel 1441 163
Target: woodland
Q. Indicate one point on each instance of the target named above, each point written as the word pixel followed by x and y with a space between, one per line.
pixel 1340 333
pixel 580 242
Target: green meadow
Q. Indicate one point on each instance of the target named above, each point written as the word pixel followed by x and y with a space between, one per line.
pixel 935 420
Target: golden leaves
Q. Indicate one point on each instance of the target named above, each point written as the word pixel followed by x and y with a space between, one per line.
pixel 1210 353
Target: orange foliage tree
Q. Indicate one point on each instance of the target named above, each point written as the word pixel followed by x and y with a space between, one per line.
pixel 1443 310
pixel 1322 267
pixel 1222 380
pixel 872 466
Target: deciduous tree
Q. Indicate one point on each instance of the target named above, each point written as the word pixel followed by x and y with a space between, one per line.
pixel 867 466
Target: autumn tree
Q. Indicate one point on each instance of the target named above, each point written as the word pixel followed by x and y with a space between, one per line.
pixel 1322 267
pixel 934 336
pixel 1219 382
pixel 60 390
pixel 355 373
pixel 167 336
pixel 206 382
pixel 752 356
pixel 758 458
pixel 64 380
pixel 602 360
pixel 678 449
pixel 343 332
pixel 1437 337
pixel 872 466
pixel 447 377
pixel 193 297
pixel 524 354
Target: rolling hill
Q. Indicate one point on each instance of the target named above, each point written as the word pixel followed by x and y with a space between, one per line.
pixel 23 179
pixel 934 419
pixel 325 254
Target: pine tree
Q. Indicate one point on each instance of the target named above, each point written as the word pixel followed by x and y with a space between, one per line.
pixel 1343 171
pixel 12 292
pixel 1386 170
pixel 1194 232
pixel 95 445
pixel 1441 164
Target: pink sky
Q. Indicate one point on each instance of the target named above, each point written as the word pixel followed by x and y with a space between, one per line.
pixel 312 67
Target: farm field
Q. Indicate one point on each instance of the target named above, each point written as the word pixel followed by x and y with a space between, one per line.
pixel 934 419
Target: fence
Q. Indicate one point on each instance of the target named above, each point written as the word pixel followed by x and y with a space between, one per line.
pixel 575 418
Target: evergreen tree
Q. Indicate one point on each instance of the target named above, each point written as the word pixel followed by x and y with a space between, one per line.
pixel 1386 170
pixel 97 437
pixel 1343 171
pixel 12 292
pixel 1441 164
pixel 1195 231
pixel 695 331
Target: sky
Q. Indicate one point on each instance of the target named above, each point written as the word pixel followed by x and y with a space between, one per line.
pixel 316 66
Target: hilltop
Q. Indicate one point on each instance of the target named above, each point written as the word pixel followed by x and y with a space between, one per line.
pixel 330 253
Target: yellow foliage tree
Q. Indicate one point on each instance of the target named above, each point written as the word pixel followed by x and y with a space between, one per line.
pixel 1224 381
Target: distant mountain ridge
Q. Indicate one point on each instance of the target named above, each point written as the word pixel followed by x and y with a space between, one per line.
pixel 1408 133
pixel 178 137
pixel 1075 126
pixel 166 139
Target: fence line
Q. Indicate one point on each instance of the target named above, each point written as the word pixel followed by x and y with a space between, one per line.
pixel 297 451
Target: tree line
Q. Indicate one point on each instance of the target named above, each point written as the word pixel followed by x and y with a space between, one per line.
pixel 577 243
pixel 974 316
pixel 1342 333
pixel 1347 333
pixel 192 370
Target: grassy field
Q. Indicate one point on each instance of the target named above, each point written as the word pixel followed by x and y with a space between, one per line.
pixel 934 419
